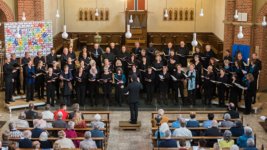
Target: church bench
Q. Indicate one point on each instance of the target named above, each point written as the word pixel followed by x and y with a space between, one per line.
pixel 202 119
pixel 153 114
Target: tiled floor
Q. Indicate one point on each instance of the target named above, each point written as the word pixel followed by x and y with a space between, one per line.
pixel 140 140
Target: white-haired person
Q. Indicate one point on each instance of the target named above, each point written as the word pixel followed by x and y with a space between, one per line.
pixel 63 141
pixel 97 121
pixel 48 114
pixel 227 121
pixel 242 140
pixel 41 121
pixel 183 132
pixel 36 145
pixel 168 142
pixel 44 142
pixel 37 130
pixel 14 133
pixel 162 129
pixel 250 145
pixel 26 142
pixel 21 122
pixel 71 133
pixel 227 140
pixel 87 143
pixel 96 132
pixel 234 147
pixel 59 123
pixel 162 116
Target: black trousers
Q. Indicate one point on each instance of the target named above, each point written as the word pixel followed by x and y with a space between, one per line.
pixel 93 92
pixel 40 89
pixel 50 94
pixel 192 96
pixel 118 94
pixel 66 100
pixel 16 83
pixel 8 90
pixel 221 95
pixel 80 91
pixel 179 87
pixel 149 92
pixel 248 102
pixel 29 91
pixel 134 111
pixel 208 95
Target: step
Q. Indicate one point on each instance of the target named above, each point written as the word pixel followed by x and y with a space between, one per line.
pixel 21 103
pixel 125 125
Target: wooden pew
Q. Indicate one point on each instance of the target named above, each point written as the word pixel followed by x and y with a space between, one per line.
pixel 153 114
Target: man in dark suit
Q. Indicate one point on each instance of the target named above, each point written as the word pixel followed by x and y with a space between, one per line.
pixel 134 89
pixel 213 131
pixel 97 54
pixel 168 142
pixel 183 51
pixel 137 49
pixel 50 58
pixel 38 58
pixel 8 78
pixel 24 62
pixel 114 49
pixel 207 55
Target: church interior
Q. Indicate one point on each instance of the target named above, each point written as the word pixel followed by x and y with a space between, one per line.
pixel 133 74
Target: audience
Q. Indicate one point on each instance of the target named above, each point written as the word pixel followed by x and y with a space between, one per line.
pixel 63 110
pixel 5 139
pixel 168 142
pixel 162 129
pixel 227 121
pixel 26 142
pixel 226 142
pixel 71 133
pixel 176 124
pixel 36 145
pixel 242 140
pixel 76 109
pixel 31 114
pixel 97 121
pixel 207 123
pixel 192 122
pixel 250 145
pixel 47 114
pixel 12 146
pixel 238 129
pixel 87 143
pixel 183 132
pixel 56 146
pixel 164 119
pixel 182 144
pixel 21 122
pixel 202 143
pixel 59 123
pixel 233 111
pixel 37 130
pixel 78 120
pixel 14 133
pixel 213 131
pixel 97 133
pixel 63 141
pixel 44 142
pixel 234 147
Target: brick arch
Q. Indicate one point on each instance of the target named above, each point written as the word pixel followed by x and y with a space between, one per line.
pixel 261 41
pixel 7 11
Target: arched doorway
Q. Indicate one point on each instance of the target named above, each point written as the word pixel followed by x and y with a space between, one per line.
pixel 6 15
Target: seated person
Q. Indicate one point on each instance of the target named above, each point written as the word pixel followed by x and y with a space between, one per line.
pixel 26 142
pixel 56 146
pixel 71 133
pixel 36 145
pixel 242 140
pixel 31 114
pixel 13 132
pixel 182 144
pixel 5 139
pixel 21 122
pixel 44 142
pixel 12 146
pixel 227 121
pixel 48 114
pixel 207 123
pixel 64 142
pixel 202 144
pixel 250 145
pixel 97 121
pixel 233 111
pixel 192 122
pixel 176 124
pixel 87 143
pixel 78 120
pixel 238 129
pixel 76 108
pixel 163 118
pixel 163 127
pixel 41 121
pixel 37 130
pixel 97 133
pixel 226 142
pixel 63 110
pixel 234 147
pixel 59 123
pixel 183 132
pixel 213 131
pixel 168 142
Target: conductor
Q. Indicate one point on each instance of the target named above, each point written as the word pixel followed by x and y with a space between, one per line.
pixel 134 90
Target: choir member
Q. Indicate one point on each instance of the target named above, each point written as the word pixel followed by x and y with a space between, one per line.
pixel 167 50
pixel 239 59
pixel 38 58
pixel 16 74
pixel 120 81
pixel 240 75
pixel 92 85
pixel 56 72
pixel 143 67
pixel 254 70
pixel 25 60
pixel 50 58
pixel 39 79
pixel 84 50
pixel 164 77
pixel 198 68
pixel 228 69
pixel 135 72
pixel 227 55
pixel 50 87
pixel 66 85
pixel 84 57
pixel 173 56
pixel 108 64
pixel 106 80
pixel 178 79
pixel 172 65
pixel 221 87
pixel 72 55
pixel 207 55
pixel 114 49
pixel 157 67
pixel 108 55
pixel 124 56
pixel 257 61
pixel 118 64
pixel 132 61
pixel 30 81
pixel 149 79
pixel 80 83
pixel 199 53
pixel 137 49
pixel 64 57
pixel 208 85
pixel 71 65
pixel 250 90
pixel 191 84
pixel 234 90
pixel 183 52
pixel 258 65
pixel 97 54
pixel 8 70
pixel 151 51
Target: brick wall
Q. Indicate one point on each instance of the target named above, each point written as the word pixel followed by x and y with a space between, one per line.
pixel 34 9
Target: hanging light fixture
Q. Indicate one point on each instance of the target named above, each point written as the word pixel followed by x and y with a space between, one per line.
pixel 23 18
pixel 236 14
pixel 201 14
pixel 240 34
pixel 166 14
pixel 64 34
pixel 128 33
pixel 264 23
pixel 96 10
pixel 194 42
pixel 17 35
pixel 131 19
pixel 57 14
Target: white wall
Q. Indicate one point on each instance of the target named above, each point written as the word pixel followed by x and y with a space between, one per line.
pixel 218 17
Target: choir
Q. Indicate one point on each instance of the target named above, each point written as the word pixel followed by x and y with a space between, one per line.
pixel 166 75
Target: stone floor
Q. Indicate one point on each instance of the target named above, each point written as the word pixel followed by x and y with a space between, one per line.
pixel 140 140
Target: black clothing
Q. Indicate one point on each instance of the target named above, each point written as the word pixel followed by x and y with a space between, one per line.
pixel 184 52
pixel 50 58
pixel 8 79
pixel 50 88
pixel 213 131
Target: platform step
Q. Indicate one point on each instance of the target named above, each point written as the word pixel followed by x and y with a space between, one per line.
pixel 21 103
pixel 125 125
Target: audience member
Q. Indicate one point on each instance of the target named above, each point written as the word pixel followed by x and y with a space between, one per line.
pixel 71 133
pixel 63 110
pixel 37 130
pixel 42 123
pixel 168 142
pixel 176 124
pixel 48 114
pixel 162 129
pixel 182 144
pixel 207 123
pixel 192 122
pixel 63 141
pixel 87 143
pixel 238 129
pixel 78 120
pixel 21 122
pixel 5 139
pixel 14 133
pixel 59 123
pixel 163 117
pixel 44 142
pixel 234 147
pixel 12 146
pixel 36 145
pixel 183 132
pixel 227 121
pixel 242 140
pixel 76 109
pixel 250 145
pixel 26 142
pixel 202 144
pixel 56 146
pixel 31 114
pixel 226 142
pixel 213 131
pixel 97 121
pixel 97 133
pixel 233 111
